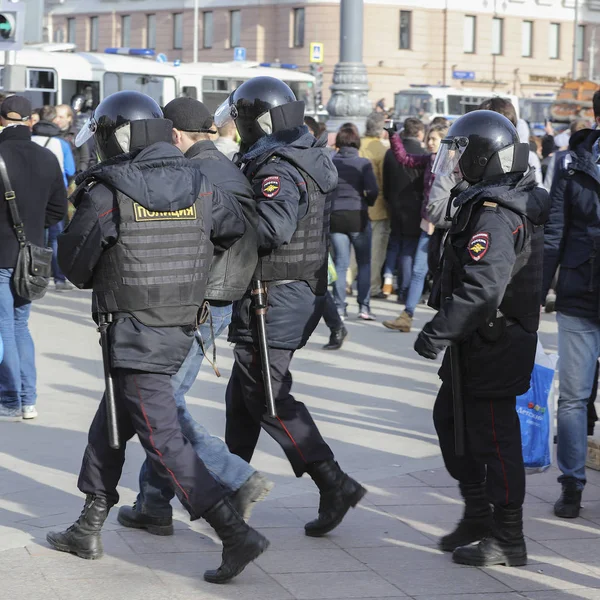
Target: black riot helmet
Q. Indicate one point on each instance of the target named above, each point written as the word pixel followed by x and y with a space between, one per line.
pixel 259 107
pixel 124 122
pixel 78 102
pixel 485 144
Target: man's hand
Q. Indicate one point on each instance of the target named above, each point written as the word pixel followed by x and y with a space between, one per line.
pixel 424 347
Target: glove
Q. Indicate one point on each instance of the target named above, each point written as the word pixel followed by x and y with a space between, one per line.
pixel 424 347
pixel 391 132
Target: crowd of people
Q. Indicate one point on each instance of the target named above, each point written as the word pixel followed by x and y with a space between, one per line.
pixel 188 219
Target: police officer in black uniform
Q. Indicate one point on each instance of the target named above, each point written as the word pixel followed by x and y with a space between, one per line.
pixel 489 312
pixel 291 174
pixel 142 239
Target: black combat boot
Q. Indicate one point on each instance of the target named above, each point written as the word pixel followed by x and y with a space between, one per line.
pixel 336 339
pixel 476 522
pixel 83 537
pixel 241 543
pixel 135 517
pixel 254 489
pixel 568 505
pixel 505 546
pixel 339 493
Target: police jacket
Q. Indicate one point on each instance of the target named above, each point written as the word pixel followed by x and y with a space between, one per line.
pixel 232 270
pixel 491 285
pixel 572 238
pixel 142 238
pixel 291 174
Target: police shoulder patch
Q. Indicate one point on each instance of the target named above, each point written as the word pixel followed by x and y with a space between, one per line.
pixel 479 245
pixel 271 186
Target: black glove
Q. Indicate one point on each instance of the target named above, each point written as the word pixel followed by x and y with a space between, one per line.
pixel 391 131
pixel 424 347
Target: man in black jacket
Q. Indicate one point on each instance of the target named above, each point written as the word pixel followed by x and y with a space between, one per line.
pixel 403 191
pixel 572 243
pixel 291 174
pixel 142 238
pixel 42 202
pixel 229 279
pixel 489 313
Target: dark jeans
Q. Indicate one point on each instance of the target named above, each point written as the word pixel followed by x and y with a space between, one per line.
pixel 146 406
pixel 493 445
pixel 293 429
pixel 400 258
pixel 330 314
pixel 53 232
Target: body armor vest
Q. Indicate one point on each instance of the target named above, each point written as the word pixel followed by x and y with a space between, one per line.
pixel 158 268
pixel 305 257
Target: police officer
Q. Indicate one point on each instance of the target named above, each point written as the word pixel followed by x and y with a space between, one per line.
pixel 291 174
pixel 142 239
pixel 489 312
pixel 230 275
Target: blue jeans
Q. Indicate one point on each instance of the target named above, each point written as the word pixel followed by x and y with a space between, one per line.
pixel 419 272
pixel 17 370
pixel 53 232
pixel 578 350
pixel 228 469
pixel 400 257
pixel 330 314
pixel 340 243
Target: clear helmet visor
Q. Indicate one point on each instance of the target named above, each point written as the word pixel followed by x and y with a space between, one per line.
pixel 226 113
pixel 86 132
pixel 449 155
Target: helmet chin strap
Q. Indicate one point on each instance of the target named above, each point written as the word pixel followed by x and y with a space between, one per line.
pixel 462 186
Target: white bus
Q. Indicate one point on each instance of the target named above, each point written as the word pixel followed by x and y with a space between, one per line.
pixel 427 102
pixel 54 77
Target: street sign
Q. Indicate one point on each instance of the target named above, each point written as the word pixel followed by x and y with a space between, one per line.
pixel 468 75
pixel 317 52
pixel 239 53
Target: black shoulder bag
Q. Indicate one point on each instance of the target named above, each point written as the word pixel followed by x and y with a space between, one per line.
pixel 32 272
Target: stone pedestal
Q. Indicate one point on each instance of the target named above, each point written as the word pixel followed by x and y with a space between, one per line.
pixel 593 456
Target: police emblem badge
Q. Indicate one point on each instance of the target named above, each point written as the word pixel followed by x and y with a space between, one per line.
pixel 271 187
pixel 479 245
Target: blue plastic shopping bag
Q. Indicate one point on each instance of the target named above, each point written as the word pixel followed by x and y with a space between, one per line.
pixel 536 414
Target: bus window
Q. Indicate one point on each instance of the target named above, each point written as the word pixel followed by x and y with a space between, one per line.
pixel 190 92
pixel 89 89
pixel 413 104
pixel 214 92
pixel 41 87
pixel 162 89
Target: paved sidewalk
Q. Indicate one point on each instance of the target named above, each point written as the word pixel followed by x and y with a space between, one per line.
pixel 373 403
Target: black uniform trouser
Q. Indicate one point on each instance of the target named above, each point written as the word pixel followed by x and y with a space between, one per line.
pixel 146 406
pixel 294 428
pixel 493 445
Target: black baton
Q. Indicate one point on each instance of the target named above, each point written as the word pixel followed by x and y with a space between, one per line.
pixel 109 394
pixel 458 403
pixel 259 294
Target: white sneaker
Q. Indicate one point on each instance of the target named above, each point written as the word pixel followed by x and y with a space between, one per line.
pixel 29 412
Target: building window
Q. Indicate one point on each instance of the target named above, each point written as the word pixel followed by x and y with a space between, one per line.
pixel 470 33
pixel 93 42
pixel 497 35
pixel 177 31
pixel 125 31
pixel 235 28
pixel 151 31
pixel 527 39
pixel 207 29
pixel 554 41
pixel 580 42
pixel 71 30
pixel 298 27
pixel 405 29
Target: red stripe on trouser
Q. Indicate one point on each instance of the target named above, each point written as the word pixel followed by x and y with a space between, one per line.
pixel 498 450
pixel 291 438
pixel 162 462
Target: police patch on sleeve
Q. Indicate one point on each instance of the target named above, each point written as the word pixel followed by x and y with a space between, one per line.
pixel 479 245
pixel 271 186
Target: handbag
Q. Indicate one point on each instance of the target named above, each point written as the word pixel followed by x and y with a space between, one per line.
pixel 32 272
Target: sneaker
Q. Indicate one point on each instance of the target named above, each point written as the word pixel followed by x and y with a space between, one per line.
pixel 402 323
pixel 29 412
pixel 10 414
pixel 255 489
pixel 366 315
pixel 388 286
pixel 63 286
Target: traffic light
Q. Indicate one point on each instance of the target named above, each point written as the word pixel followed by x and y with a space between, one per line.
pixel 316 71
pixel 12 24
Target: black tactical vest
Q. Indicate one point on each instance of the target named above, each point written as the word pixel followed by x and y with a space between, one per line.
pixel 305 257
pixel 158 268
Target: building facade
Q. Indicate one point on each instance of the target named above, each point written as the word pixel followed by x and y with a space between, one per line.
pixel 510 46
